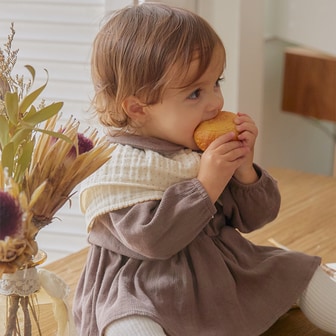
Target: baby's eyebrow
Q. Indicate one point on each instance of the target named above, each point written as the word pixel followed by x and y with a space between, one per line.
pixel 184 90
pixel 187 87
pixel 184 87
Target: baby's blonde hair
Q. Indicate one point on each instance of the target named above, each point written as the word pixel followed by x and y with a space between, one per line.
pixel 135 51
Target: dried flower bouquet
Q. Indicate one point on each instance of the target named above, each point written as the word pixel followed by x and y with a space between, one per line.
pixel 40 162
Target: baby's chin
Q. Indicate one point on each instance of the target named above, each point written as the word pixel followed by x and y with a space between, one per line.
pixel 187 143
pixel 192 145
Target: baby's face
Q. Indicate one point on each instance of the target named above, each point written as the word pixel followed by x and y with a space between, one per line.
pixel 182 108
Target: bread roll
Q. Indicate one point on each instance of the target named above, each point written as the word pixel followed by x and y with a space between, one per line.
pixel 211 129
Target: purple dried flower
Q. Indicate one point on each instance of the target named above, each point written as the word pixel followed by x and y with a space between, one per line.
pixel 10 215
pixel 84 145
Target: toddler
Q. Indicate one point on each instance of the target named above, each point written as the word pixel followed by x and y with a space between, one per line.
pixel 164 219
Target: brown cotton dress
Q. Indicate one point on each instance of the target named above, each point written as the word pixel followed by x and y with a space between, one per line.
pixel 182 261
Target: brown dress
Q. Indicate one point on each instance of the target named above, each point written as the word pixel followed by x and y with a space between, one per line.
pixel 182 262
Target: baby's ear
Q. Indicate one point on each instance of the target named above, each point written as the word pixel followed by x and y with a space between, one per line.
pixel 134 108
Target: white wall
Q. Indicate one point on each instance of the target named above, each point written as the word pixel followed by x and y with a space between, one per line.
pixel 224 16
pixel 293 141
pixel 307 22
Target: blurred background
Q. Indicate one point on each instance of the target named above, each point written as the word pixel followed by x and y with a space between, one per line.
pixel 57 34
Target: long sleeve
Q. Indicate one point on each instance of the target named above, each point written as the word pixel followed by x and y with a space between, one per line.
pixel 249 207
pixel 159 229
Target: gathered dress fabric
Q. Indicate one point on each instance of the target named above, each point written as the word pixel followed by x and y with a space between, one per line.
pixel 160 248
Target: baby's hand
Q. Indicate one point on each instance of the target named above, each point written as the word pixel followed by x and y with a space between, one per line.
pixel 247 129
pixel 219 162
pixel 248 133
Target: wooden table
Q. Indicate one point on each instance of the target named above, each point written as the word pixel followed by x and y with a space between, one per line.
pixel 306 223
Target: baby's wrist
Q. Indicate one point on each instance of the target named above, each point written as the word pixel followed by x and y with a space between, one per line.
pixel 246 175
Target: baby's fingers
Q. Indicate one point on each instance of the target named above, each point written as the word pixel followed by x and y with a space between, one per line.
pixel 223 139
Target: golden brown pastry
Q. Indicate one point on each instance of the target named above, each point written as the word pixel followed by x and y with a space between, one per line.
pixel 211 129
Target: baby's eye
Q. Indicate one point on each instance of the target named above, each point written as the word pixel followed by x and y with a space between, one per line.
pixel 219 80
pixel 195 94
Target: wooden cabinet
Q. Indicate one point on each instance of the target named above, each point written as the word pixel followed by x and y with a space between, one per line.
pixel 309 84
